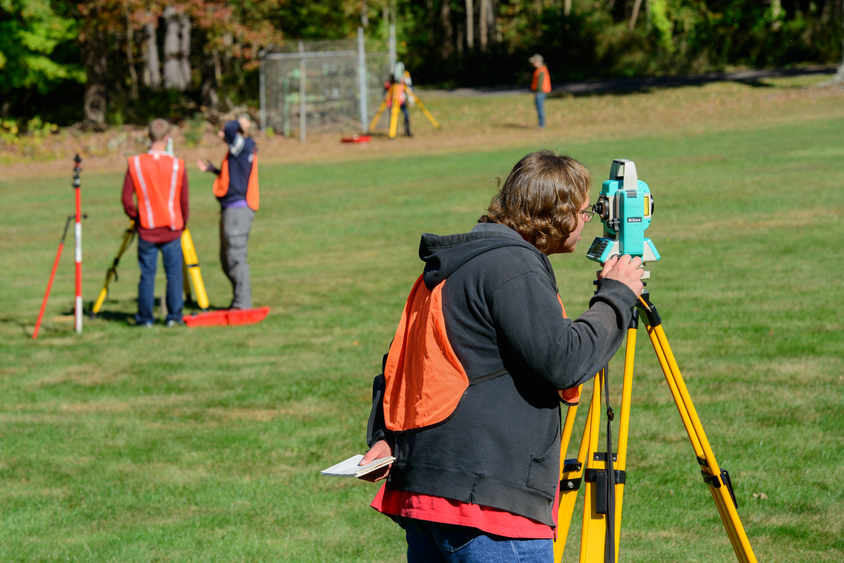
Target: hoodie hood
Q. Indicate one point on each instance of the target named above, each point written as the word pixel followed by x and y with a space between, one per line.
pixel 230 131
pixel 445 254
pixel 232 136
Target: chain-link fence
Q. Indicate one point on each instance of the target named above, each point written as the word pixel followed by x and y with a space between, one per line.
pixel 320 86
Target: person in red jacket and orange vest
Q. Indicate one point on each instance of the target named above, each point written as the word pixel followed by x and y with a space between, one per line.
pixel 236 188
pixel 160 184
pixel 541 86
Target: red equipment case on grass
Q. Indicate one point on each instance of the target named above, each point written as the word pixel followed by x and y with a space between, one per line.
pixel 227 317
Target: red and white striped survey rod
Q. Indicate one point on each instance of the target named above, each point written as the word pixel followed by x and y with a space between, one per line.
pixel 78 240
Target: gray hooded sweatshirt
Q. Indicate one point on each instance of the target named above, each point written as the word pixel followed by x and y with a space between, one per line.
pixel 501 445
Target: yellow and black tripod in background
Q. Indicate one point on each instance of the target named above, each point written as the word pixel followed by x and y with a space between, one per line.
pixel 191 274
pixel 394 95
pixel 604 475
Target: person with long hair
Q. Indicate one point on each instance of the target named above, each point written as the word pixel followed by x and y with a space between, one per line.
pixel 484 355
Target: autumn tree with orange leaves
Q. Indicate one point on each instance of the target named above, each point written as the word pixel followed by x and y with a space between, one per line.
pixel 156 39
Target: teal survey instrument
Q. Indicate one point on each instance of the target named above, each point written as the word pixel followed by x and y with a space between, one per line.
pixel 625 207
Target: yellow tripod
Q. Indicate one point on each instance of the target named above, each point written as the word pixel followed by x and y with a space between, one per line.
pixel 593 467
pixel 190 270
pixel 394 95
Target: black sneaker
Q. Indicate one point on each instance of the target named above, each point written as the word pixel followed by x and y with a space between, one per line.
pixel 174 322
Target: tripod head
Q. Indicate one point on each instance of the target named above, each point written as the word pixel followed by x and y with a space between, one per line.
pixel 625 207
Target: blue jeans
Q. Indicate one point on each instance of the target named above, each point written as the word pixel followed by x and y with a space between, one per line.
pixel 171 253
pixel 448 543
pixel 540 107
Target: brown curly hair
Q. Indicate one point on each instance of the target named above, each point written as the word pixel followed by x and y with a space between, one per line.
pixel 541 197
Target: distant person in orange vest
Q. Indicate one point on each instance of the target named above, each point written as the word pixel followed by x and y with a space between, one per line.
pixel 541 86
pixel 160 184
pixel 236 188
pixel 402 97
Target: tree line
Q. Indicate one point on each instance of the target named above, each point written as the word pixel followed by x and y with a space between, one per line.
pixel 102 62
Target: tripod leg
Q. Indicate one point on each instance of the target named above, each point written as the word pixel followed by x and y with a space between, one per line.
pixel 375 119
pixel 112 272
pixel 624 423
pixel 571 473
pixel 192 264
pixel 594 529
pixel 721 491
pixel 47 293
pixel 103 293
pixel 594 537
pixel 186 283
pixel 394 111
pixel 424 110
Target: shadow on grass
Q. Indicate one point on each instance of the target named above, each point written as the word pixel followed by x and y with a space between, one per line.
pixel 649 84
pixel 191 307
pixel 114 316
pixel 121 316
pixel 628 91
pixel 12 321
pixel 384 134
pixel 755 83
pixel 516 126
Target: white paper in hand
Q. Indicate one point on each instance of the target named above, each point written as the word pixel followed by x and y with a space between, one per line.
pixel 350 467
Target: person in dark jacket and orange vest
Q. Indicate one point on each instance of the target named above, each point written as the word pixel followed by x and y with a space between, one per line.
pixel 469 399
pixel 160 183
pixel 540 85
pixel 236 188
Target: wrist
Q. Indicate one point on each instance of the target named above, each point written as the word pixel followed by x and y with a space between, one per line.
pixel 614 288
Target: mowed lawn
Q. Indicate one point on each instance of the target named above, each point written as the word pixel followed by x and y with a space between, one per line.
pixel 125 444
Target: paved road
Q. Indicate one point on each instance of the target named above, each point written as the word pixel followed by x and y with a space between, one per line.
pixel 643 83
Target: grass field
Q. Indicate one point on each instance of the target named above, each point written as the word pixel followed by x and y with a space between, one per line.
pixel 125 444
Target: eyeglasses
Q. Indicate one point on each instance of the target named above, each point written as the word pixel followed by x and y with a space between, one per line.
pixel 587 214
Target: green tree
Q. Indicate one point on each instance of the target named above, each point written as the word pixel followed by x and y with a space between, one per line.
pixel 30 32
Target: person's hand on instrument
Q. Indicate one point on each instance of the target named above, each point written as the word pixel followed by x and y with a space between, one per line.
pixel 378 450
pixel 625 270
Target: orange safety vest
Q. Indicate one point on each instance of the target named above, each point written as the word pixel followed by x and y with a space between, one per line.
pixel 389 98
pixel 570 396
pixel 424 379
pixel 157 177
pixel 546 80
pixel 221 183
